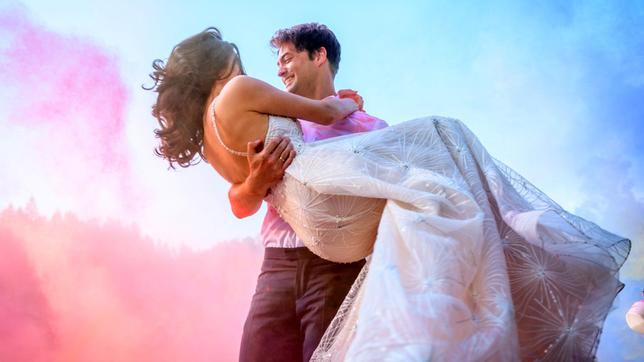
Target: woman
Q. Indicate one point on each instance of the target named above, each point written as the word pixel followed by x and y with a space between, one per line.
pixel 470 261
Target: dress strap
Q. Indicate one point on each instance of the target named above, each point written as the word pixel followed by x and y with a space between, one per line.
pixel 213 122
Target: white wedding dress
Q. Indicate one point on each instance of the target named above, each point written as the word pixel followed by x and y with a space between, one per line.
pixel 468 260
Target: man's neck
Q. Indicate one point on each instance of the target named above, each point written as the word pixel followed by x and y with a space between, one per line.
pixel 322 88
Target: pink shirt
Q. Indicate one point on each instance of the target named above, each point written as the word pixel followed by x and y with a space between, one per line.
pixel 276 233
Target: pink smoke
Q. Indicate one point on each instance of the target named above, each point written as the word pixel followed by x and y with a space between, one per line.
pixel 69 86
pixel 85 291
pixel 63 115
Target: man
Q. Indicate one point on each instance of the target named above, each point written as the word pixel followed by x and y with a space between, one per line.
pixel 297 293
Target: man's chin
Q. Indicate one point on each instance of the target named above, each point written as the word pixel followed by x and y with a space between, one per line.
pixel 290 87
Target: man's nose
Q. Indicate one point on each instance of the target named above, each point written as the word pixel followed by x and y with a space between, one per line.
pixel 281 71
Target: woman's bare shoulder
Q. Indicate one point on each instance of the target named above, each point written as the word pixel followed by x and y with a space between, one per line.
pixel 236 94
pixel 241 84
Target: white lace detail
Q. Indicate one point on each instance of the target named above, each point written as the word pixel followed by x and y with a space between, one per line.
pixel 470 261
pixel 276 126
pixel 282 126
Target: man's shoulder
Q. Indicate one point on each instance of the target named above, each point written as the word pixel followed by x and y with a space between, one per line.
pixel 368 122
pixel 356 122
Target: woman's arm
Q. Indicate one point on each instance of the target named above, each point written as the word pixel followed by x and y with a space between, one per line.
pixel 244 93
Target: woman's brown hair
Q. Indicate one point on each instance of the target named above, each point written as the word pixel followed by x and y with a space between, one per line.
pixel 183 85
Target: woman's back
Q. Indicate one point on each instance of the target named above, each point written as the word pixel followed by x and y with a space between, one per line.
pixel 227 131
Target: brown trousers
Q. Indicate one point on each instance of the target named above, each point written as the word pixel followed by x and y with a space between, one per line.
pixel 297 296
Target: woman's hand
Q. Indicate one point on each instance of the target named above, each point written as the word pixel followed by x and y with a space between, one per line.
pixel 341 107
pixel 351 94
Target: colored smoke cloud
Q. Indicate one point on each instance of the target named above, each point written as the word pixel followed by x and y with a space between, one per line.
pixel 63 121
pixel 86 291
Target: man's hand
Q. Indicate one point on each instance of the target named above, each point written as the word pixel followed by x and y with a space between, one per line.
pixel 266 168
pixel 351 94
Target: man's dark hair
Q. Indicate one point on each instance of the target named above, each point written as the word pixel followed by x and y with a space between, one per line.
pixel 310 37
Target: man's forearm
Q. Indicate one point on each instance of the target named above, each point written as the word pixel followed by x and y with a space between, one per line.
pixel 245 199
pixel 266 168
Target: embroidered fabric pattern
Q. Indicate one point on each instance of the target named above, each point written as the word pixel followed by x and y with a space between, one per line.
pixel 469 261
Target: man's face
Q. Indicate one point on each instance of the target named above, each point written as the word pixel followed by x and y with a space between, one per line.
pixel 297 70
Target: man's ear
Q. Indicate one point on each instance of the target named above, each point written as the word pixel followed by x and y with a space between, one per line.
pixel 319 57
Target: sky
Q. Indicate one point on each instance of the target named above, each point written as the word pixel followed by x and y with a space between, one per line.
pixel 553 89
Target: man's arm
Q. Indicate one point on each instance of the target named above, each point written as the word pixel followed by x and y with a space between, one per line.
pixel 266 168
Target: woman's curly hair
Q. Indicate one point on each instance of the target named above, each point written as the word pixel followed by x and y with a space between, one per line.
pixel 183 84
